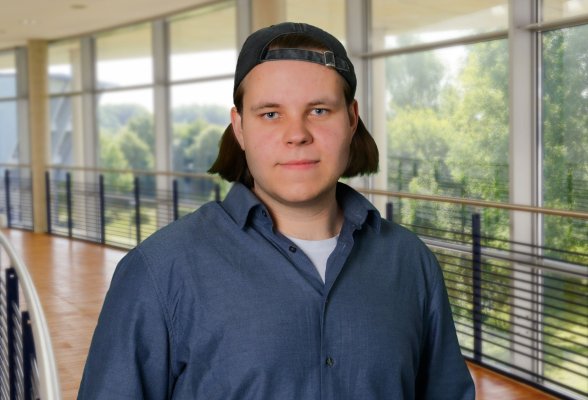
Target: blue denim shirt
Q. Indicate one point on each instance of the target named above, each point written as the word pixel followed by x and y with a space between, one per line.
pixel 219 305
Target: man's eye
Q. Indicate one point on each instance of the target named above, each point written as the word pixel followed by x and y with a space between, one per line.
pixel 270 115
pixel 319 111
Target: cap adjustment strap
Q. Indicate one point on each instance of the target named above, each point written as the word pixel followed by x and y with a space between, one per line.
pixel 326 58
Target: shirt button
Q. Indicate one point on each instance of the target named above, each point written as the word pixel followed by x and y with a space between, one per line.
pixel 292 249
pixel 264 213
pixel 330 361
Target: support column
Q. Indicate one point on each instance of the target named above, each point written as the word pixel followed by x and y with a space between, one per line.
pixel 267 12
pixel 523 162
pixel 379 120
pixel 244 21
pixel 38 125
pixel 85 137
pixel 162 123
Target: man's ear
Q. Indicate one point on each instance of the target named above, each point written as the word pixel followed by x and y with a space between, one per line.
pixel 237 124
pixel 353 115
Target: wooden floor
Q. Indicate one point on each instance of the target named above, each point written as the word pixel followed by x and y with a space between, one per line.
pixel 72 278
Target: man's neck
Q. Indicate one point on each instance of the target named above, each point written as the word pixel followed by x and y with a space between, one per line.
pixel 321 219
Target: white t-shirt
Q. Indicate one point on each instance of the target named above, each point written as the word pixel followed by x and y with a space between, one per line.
pixel 318 251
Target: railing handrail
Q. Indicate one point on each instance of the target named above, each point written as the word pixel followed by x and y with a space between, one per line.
pixel 476 203
pixel 526 260
pixel 133 171
pixel 379 192
pixel 14 165
pixel 48 375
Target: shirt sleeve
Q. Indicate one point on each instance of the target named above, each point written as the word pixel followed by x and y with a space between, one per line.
pixel 129 356
pixel 443 373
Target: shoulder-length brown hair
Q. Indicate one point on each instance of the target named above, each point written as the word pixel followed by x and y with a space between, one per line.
pixel 231 163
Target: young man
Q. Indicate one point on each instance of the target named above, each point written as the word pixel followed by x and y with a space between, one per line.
pixel 293 287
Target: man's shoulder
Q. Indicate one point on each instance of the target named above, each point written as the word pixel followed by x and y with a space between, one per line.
pixel 189 229
pixel 400 234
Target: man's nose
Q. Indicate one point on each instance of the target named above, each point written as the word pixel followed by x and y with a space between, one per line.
pixel 298 133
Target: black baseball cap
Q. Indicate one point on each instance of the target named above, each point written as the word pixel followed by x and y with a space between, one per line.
pixel 256 50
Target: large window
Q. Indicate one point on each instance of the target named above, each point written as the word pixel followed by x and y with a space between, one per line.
pixel 124 74
pixel 444 112
pixel 8 108
pixel 565 186
pixel 557 9
pixel 15 204
pixel 65 107
pixel 201 91
pixel 398 23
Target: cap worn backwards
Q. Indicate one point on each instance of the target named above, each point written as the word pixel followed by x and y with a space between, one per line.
pixel 256 50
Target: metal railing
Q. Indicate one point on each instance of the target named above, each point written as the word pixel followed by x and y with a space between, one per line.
pixel 16 198
pixel 121 207
pixel 27 363
pixel 519 308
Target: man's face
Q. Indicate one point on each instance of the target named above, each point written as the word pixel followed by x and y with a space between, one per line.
pixel 296 130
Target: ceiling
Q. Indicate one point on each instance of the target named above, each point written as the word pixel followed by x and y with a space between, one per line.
pixel 23 20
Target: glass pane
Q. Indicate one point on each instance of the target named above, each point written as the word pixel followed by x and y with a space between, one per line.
pixel 195 53
pixel 447 121
pixel 65 67
pixel 326 14
pixel 556 9
pixel 200 114
pixel 66 127
pixel 565 118
pixel 565 186
pixel 124 57
pixel 398 23
pixel 7 75
pixel 9 132
pixel 125 121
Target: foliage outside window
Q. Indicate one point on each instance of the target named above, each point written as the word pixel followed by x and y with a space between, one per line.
pixel 200 94
pixel 125 117
pixel 565 186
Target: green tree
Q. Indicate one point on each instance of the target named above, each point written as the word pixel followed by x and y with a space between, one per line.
pixel 111 156
pixel 478 154
pixel 136 151
pixel 414 80
pixel 113 117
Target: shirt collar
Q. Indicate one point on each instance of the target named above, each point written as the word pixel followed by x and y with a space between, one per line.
pixel 240 202
pixel 356 208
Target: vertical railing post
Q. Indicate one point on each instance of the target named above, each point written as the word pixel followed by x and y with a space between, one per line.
pixel 390 211
pixel 137 209
pixel 48 200
pixel 28 354
pixel 217 196
pixel 12 301
pixel 477 285
pixel 7 188
pixel 68 203
pixel 102 209
pixel 175 199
